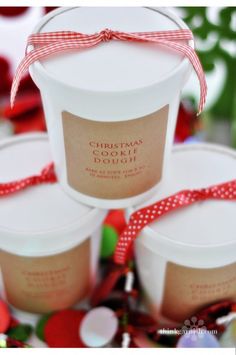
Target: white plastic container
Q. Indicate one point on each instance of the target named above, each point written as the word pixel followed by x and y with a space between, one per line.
pixel 111 110
pixel 187 259
pixel 49 242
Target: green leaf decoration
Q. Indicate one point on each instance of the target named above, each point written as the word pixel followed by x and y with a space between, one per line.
pixel 21 332
pixel 198 20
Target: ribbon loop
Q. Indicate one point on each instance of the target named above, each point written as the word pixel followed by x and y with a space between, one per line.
pixel 54 43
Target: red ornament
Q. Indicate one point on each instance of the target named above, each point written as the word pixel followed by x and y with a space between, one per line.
pixel 210 314
pixel 116 219
pixel 50 8
pixel 27 114
pixel 13 323
pixel 5 82
pixel 186 122
pixel 12 11
pixel 142 321
pixel 62 329
pixel 5 317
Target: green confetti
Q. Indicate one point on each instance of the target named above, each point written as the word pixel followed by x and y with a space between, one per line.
pixel 21 332
pixel 109 240
pixel 39 330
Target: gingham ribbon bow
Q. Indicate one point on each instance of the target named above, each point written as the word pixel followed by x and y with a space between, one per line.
pixel 54 43
pixel 147 215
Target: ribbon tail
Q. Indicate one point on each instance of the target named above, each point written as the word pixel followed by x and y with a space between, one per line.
pixel 190 53
pixel 43 53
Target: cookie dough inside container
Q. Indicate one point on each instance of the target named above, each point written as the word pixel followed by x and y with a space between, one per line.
pixel 111 109
pixel 49 242
pixel 187 259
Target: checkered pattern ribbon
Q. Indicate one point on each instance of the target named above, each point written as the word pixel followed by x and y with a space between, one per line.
pixel 54 43
pixel 47 175
pixel 147 215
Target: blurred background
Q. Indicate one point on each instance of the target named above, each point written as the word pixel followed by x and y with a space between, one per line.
pixel 214 29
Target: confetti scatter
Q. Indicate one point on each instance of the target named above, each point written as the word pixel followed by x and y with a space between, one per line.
pixel 198 339
pixel 5 317
pixel 61 330
pixel 98 327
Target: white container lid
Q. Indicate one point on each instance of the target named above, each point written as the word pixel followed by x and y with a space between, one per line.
pixel 122 70
pixel 134 65
pixel 41 219
pixel 202 234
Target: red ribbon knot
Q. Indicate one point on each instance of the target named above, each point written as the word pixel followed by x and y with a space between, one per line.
pixel 107 35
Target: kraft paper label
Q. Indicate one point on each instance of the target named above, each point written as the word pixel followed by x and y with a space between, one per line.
pixel 44 284
pixel 114 160
pixel 189 289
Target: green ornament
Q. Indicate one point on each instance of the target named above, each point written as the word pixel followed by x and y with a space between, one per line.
pixel 39 329
pixel 109 240
pixel 21 332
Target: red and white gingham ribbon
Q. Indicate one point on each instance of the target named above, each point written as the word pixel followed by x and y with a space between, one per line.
pixel 47 175
pixel 53 43
pixel 147 215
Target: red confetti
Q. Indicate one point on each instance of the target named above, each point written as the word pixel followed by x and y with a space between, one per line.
pixel 62 329
pixel 50 8
pixel 27 114
pixel 12 11
pixel 5 317
pixel 210 314
pixel 116 219
pixel 13 323
pixel 186 122
pixel 142 321
pixel 5 82
pixel 103 290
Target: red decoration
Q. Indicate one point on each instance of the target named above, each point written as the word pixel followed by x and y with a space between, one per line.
pixel 5 317
pixel 5 82
pixel 27 114
pixel 47 175
pixel 142 321
pixel 12 11
pixel 116 219
pixel 104 288
pixel 50 8
pixel 62 329
pixel 186 123
pixel 13 323
pixel 210 314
